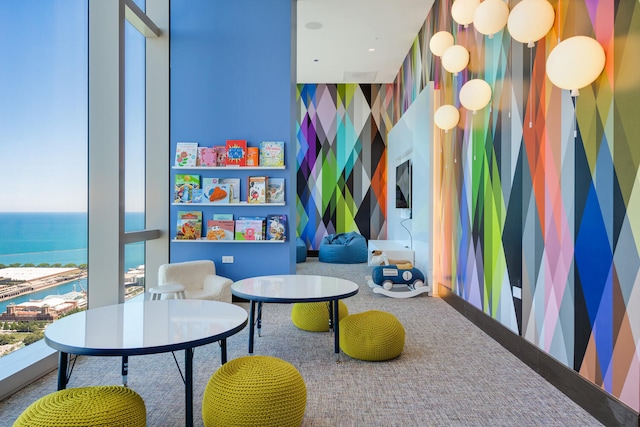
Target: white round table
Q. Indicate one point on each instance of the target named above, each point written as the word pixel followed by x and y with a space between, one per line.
pixel 171 289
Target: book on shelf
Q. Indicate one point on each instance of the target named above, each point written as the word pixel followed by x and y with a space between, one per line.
pixel 197 196
pixel 250 229
pixel 186 154
pixel 184 186
pixel 236 152
pixel 234 188
pixel 223 216
pixel 220 229
pixel 221 152
pixel 207 156
pixel 257 189
pixel 189 225
pixel 275 190
pixel 214 191
pixel 253 156
pixel 272 153
pixel 277 227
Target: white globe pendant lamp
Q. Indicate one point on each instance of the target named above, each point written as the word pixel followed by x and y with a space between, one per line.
pixel 446 117
pixel 475 94
pixel 440 41
pixel 490 17
pixel 455 58
pixel 530 20
pixel 575 63
pixel 462 11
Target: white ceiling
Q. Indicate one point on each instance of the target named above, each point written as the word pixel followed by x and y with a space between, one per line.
pixel 338 51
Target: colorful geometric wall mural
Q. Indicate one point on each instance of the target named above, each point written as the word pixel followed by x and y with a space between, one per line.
pixel 341 160
pixel 537 195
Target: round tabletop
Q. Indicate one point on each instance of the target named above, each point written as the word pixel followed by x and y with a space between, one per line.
pixel 293 288
pixel 145 327
pixel 168 288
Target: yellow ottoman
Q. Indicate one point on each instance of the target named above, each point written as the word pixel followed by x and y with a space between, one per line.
pixel 255 391
pixel 108 406
pixel 314 316
pixel 372 335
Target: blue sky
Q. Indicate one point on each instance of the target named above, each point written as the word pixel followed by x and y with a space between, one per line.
pixel 43 107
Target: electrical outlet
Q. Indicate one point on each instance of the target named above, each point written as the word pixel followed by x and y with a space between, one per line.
pixel 227 259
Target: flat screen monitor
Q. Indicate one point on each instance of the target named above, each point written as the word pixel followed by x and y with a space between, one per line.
pixel 403 185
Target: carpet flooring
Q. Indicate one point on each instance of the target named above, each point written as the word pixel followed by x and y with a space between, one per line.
pixel 450 373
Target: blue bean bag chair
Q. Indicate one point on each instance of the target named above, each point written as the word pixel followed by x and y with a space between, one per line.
pixel 343 248
pixel 301 250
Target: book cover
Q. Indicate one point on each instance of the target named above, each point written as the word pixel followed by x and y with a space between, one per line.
pixel 214 191
pixel 272 153
pixel 257 189
pixel 234 188
pixel 184 186
pixel 253 156
pixel 223 216
pixel 221 152
pixel 275 190
pixel 236 152
pixel 207 156
pixel 220 229
pixel 189 225
pixel 197 196
pixel 249 229
pixel 277 227
pixel 186 154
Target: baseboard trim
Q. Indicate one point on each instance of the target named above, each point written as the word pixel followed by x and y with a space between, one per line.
pixel 600 404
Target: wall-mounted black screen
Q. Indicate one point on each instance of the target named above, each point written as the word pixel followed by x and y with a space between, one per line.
pixel 403 185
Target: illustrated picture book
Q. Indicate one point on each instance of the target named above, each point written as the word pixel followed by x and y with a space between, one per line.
pixel 186 154
pixel 249 229
pixel 207 156
pixel 275 190
pixel 214 191
pixel 189 225
pixel 222 216
pixel 272 153
pixel 257 189
pixel 234 188
pixel 236 152
pixel 221 152
pixel 184 186
pixel 220 229
pixel 253 156
pixel 277 227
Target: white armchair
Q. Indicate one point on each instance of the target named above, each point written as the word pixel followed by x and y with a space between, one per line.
pixel 199 279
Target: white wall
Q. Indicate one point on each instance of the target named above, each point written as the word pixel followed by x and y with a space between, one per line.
pixel 412 137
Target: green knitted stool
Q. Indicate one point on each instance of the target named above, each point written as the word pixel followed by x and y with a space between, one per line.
pixel 314 316
pixel 107 406
pixel 372 335
pixel 255 391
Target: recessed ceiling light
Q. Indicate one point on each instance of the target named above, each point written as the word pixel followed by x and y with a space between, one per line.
pixel 372 49
pixel 313 25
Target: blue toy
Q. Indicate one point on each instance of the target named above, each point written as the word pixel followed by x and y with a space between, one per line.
pixel 385 277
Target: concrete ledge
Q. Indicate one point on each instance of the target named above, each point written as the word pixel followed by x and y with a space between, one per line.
pixel 24 366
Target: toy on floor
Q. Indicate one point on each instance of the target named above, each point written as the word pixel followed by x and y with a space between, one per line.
pixel 385 277
pixel 380 258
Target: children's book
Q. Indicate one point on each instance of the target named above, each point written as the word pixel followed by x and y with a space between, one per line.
pixel 198 196
pixel 184 186
pixel 223 216
pixel 236 152
pixel 220 229
pixel 275 190
pixel 253 156
pixel 277 227
pixel 214 191
pixel 234 188
pixel 249 229
pixel 186 154
pixel 272 153
pixel 257 189
pixel 221 151
pixel 207 156
pixel 189 225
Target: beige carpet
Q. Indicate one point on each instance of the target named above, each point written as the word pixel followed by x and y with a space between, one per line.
pixel 449 374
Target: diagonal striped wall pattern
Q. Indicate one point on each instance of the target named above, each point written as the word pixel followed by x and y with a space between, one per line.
pixel 538 195
pixel 341 159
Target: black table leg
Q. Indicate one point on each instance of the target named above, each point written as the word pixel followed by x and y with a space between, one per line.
pixel 63 360
pixel 125 369
pixel 336 326
pixel 188 384
pixel 259 321
pixel 223 351
pixel 252 316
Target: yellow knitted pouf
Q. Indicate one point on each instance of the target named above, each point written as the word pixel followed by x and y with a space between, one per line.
pixel 314 316
pixel 372 335
pixel 86 406
pixel 255 391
